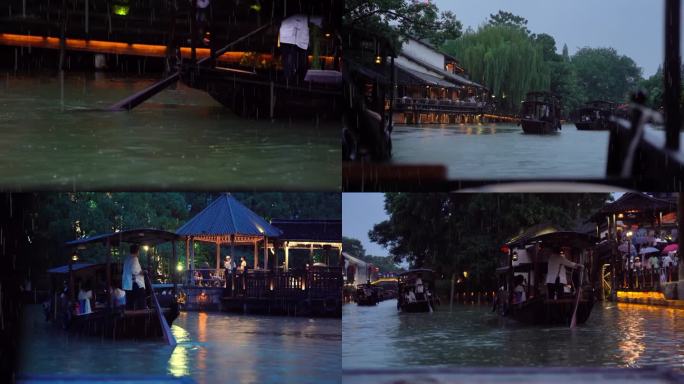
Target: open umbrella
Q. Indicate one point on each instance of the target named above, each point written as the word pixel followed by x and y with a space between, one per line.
pixel 670 248
pixel 646 250
pixel 625 248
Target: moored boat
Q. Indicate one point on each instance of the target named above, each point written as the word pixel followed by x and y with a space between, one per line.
pixel 596 116
pixel 540 113
pixel 416 291
pixel 367 295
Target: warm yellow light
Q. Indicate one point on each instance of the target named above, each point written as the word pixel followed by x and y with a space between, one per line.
pixel 74 257
pixel 378 59
pixel 146 248
pixel 179 267
pixel 629 233
pixel 120 10
pixel 465 274
pixel 640 295
pixel 620 215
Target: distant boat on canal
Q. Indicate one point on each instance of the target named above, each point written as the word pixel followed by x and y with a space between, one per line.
pixel 540 113
pixel 596 116
pixel 367 294
pixel 416 291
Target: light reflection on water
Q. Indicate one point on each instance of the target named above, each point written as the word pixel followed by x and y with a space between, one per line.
pixel 616 335
pixel 212 347
pixel 181 138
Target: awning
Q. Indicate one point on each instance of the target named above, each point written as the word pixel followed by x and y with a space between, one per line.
pixel 407 76
pixel 453 77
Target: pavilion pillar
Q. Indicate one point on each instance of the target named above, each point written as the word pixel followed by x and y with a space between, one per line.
pixel 266 252
pixel 191 270
pixel 187 253
pixel 218 254
pixel 311 252
pixel 287 257
pixel 256 255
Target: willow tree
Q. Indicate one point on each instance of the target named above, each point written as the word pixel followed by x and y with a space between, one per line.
pixel 505 59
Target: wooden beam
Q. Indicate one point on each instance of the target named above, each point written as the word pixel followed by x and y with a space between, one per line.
pixel 287 257
pixel 265 252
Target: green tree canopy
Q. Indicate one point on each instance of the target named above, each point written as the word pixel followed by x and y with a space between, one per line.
pixel 603 74
pixel 505 59
pixel 462 232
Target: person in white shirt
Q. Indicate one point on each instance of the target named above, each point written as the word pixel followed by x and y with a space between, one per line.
pixel 133 280
pixel 85 295
pixel 556 277
pixel 519 295
pixel 294 41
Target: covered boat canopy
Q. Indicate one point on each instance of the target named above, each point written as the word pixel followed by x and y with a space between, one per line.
pixel 227 216
pixel 64 269
pixel 424 273
pixel 564 238
pixel 532 232
pixel 147 236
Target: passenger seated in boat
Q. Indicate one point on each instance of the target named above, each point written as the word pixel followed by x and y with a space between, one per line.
pixel 556 275
pixel 410 296
pixel 420 289
pixel 85 295
pixel 118 297
pixel 519 290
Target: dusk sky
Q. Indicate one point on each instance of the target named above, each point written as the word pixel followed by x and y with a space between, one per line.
pixel 633 27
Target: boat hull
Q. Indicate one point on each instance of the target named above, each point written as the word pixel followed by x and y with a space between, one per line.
pixel 418 306
pixel 597 125
pixel 260 96
pixel 538 127
pixel 122 324
pixel 550 312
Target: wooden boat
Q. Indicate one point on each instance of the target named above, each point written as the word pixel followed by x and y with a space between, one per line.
pixel 527 258
pixel 596 116
pixel 367 295
pixel 387 287
pixel 409 285
pixel 107 319
pixel 540 113
pixel 255 84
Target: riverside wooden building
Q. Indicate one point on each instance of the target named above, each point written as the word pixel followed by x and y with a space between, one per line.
pixel 431 87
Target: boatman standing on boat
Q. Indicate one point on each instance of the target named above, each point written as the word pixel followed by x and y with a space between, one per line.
pixel 556 277
pixel 294 43
pixel 133 280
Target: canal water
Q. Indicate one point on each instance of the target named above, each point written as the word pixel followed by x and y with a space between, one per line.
pixel 616 335
pixel 212 348
pixel 502 151
pixel 181 138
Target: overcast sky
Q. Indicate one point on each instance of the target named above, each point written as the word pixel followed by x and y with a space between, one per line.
pixel 633 27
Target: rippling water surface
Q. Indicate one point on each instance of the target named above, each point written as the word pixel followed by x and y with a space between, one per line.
pixel 212 348
pixel 616 335
pixel 181 138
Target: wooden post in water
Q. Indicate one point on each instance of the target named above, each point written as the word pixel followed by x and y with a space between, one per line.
pixel 174 262
pixel 109 272
pixel 451 296
pixel 680 240
pixel 672 74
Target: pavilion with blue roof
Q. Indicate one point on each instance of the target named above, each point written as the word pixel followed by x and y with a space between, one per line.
pixel 226 221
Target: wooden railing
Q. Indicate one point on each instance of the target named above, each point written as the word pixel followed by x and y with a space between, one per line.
pixel 314 282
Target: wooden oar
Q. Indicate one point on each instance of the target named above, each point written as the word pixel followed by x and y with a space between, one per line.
pixel 573 322
pixel 138 98
pixel 162 320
